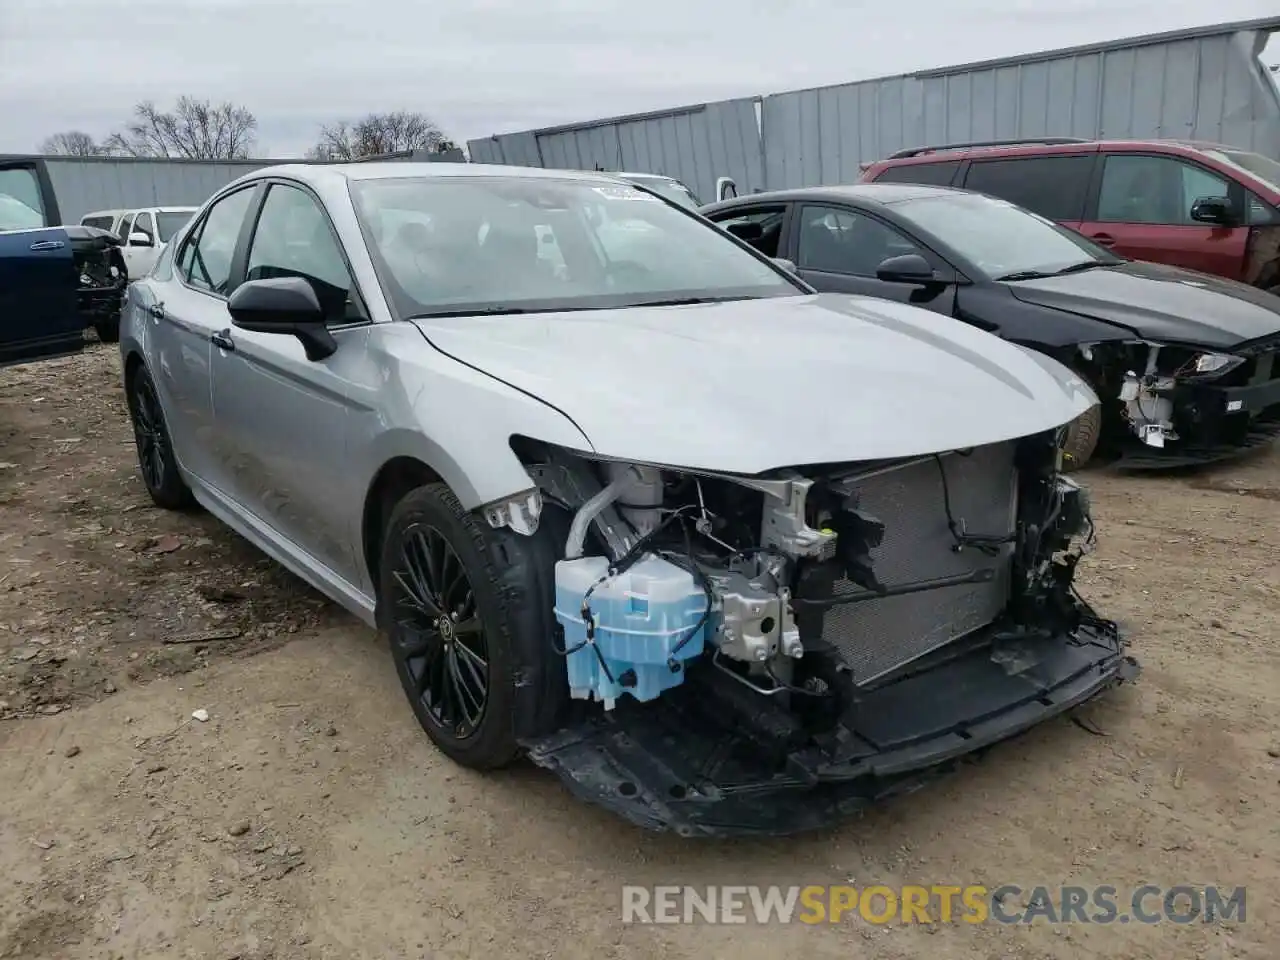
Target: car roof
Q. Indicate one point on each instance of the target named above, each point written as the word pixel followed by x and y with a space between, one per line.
pixel 872 194
pixel 943 152
pixel 319 173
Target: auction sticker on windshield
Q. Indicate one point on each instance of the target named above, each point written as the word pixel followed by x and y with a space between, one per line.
pixel 625 193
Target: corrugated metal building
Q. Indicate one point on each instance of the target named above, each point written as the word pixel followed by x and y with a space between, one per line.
pixel 85 184
pixel 1205 83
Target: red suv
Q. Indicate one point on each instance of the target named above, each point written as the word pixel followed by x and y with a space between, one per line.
pixel 1198 205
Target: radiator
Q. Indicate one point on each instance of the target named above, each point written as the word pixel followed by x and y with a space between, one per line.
pixel 876 636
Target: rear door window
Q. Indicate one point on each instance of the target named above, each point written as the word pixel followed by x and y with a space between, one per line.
pixel 934 174
pixel 1053 186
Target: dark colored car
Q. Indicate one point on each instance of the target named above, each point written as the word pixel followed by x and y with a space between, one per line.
pixel 54 280
pixel 1191 204
pixel 1185 363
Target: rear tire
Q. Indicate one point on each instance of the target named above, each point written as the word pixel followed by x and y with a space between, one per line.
pixel 156 459
pixel 465 605
pixel 1081 441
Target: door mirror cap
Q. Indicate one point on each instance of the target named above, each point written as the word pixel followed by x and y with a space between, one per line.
pixel 906 268
pixel 140 239
pixel 283 305
pixel 1217 210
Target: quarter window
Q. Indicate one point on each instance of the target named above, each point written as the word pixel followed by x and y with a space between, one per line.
pixel 1161 190
pixel 1053 186
pixel 205 261
pixel 935 174
pixel 293 239
pixel 760 228
pixel 840 241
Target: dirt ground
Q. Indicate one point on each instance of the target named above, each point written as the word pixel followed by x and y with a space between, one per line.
pixel 310 818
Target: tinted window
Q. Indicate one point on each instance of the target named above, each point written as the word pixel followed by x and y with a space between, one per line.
pixel 205 261
pixel 125 227
pixel 474 246
pixel 1138 189
pixel 999 238
pixel 841 241
pixel 21 207
pixel 936 174
pixel 1053 187
pixel 1260 213
pixel 293 239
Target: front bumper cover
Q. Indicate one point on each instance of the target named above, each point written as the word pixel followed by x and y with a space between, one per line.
pixel 664 766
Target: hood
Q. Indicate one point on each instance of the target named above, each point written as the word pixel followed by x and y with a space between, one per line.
pixel 1159 302
pixel 91 238
pixel 746 386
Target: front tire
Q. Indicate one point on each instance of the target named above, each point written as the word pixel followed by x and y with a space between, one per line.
pixel 156 459
pixel 467 611
pixel 108 330
pixel 1082 438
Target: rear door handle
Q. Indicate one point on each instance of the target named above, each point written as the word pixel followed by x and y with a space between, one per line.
pixel 1105 239
pixel 222 340
pixel 47 245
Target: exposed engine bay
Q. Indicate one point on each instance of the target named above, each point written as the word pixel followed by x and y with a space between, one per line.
pixel 1185 404
pixel 732 642
pixel 102 278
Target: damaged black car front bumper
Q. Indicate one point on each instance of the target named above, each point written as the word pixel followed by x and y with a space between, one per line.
pixel 673 766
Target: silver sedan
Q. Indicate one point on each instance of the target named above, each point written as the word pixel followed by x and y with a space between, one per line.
pixel 595 490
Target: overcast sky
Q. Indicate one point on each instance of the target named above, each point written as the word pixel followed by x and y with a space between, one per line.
pixel 492 66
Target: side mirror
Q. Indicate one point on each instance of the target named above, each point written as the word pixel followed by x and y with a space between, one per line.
pixel 140 239
pixel 726 189
pixel 907 268
pixel 784 263
pixel 1215 210
pixel 285 305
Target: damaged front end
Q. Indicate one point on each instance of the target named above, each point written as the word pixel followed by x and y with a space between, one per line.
pixel 1185 405
pixel 766 654
pixel 102 278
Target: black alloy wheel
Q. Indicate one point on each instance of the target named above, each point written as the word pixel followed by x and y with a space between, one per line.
pixel 437 636
pixel 155 448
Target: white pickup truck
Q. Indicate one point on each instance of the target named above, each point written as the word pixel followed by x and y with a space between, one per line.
pixel 144 230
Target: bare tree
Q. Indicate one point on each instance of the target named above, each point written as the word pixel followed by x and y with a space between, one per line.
pixel 379 133
pixel 72 143
pixel 194 130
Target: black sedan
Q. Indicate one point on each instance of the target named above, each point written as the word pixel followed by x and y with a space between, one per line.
pixel 1185 364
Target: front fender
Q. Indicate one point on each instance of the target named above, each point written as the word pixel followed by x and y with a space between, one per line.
pixel 455 419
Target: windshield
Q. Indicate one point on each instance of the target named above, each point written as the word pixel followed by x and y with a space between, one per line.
pixel 495 244
pixel 167 224
pixel 16 215
pixel 1261 167
pixel 1001 239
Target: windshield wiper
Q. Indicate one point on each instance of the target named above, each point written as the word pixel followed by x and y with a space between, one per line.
pixel 483 311
pixel 1062 271
pixel 685 301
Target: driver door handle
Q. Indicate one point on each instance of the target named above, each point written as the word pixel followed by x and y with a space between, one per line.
pixel 222 340
pixel 1105 239
pixel 46 245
